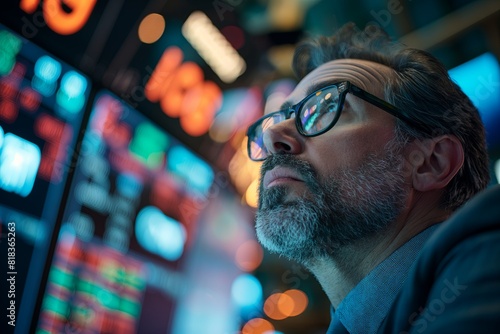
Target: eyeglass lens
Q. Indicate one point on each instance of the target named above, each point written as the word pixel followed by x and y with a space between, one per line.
pixel 319 111
pixel 315 115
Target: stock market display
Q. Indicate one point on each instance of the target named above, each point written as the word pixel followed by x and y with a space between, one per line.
pixel 132 210
pixel 117 226
pixel 42 102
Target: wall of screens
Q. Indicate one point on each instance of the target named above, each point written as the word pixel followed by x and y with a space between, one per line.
pixel 42 102
pixel 139 234
pixel 129 222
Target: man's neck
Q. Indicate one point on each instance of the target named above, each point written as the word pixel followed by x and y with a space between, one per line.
pixel 341 272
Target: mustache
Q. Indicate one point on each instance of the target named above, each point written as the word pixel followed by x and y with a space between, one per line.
pixel 302 167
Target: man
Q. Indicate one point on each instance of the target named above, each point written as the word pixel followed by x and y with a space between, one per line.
pixel 373 149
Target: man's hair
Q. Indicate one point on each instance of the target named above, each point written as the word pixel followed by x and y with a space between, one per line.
pixel 422 87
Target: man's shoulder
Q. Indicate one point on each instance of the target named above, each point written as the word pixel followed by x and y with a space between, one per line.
pixel 478 216
pixel 454 284
pixel 483 209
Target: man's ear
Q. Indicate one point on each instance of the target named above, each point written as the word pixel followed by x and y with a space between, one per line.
pixel 435 162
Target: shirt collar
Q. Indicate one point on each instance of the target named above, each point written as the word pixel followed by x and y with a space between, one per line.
pixel 366 305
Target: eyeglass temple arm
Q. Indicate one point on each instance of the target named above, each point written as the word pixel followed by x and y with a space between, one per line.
pixel 388 108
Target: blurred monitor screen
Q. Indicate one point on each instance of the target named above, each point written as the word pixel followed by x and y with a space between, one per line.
pixel 42 103
pixel 111 224
pixel 130 253
pixel 479 78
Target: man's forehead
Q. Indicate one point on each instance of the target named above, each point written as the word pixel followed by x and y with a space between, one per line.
pixel 360 72
pixel 366 74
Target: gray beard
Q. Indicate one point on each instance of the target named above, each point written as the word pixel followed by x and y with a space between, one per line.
pixel 348 207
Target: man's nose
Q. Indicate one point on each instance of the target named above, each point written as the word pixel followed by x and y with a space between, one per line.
pixel 283 138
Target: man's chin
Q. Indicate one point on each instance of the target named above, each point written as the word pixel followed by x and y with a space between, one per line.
pixel 298 253
pixel 283 229
pixel 273 243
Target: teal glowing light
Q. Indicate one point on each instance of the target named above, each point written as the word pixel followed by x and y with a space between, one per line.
pixel 47 72
pixel 71 93
pixel 73 84
pixel 19 162
pixel 192 170
pixel 479 78
pixel 56 305
pixel 160 234
pixel 149 144
pixel 10 46
pixel 128 185
pixel 246 291
pixel 47 69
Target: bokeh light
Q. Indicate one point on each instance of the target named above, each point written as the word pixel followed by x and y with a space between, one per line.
pixel 279 306
pixel 249 255
pixel 10 46
pixel 160 234
pixel 71 94
pixel 290 303
pixel 151 28
pixel 245 174
pixel 257 326
pixel 234 35
pixel 246 291
pixel 213 47
pixel 286 15
pixel 300 301
pixel 251 195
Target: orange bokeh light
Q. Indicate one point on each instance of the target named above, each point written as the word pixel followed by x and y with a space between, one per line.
pixel 163 73
pixel 257 326
pixel 300 301
pixel 278 306
pixel 199 106
pixel 187 76
pixel 251 194
pixel 249 255
pixel 183 93
pixel 60 19
pixel 151 28
pixel 29 6
pixel 290 303
pixel 196 123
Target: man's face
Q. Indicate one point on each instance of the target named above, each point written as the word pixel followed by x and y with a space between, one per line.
pixel 318 194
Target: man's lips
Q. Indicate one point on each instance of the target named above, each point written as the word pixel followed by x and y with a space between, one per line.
pixel 278 175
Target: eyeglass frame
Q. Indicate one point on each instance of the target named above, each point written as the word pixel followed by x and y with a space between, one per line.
pixel 344 87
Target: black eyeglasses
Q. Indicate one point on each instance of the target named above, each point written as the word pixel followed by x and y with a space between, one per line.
pixel 317 113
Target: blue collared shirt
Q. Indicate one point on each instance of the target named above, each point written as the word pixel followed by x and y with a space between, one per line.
pixel 366 305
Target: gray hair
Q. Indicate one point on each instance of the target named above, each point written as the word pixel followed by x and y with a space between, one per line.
pixel 422 87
